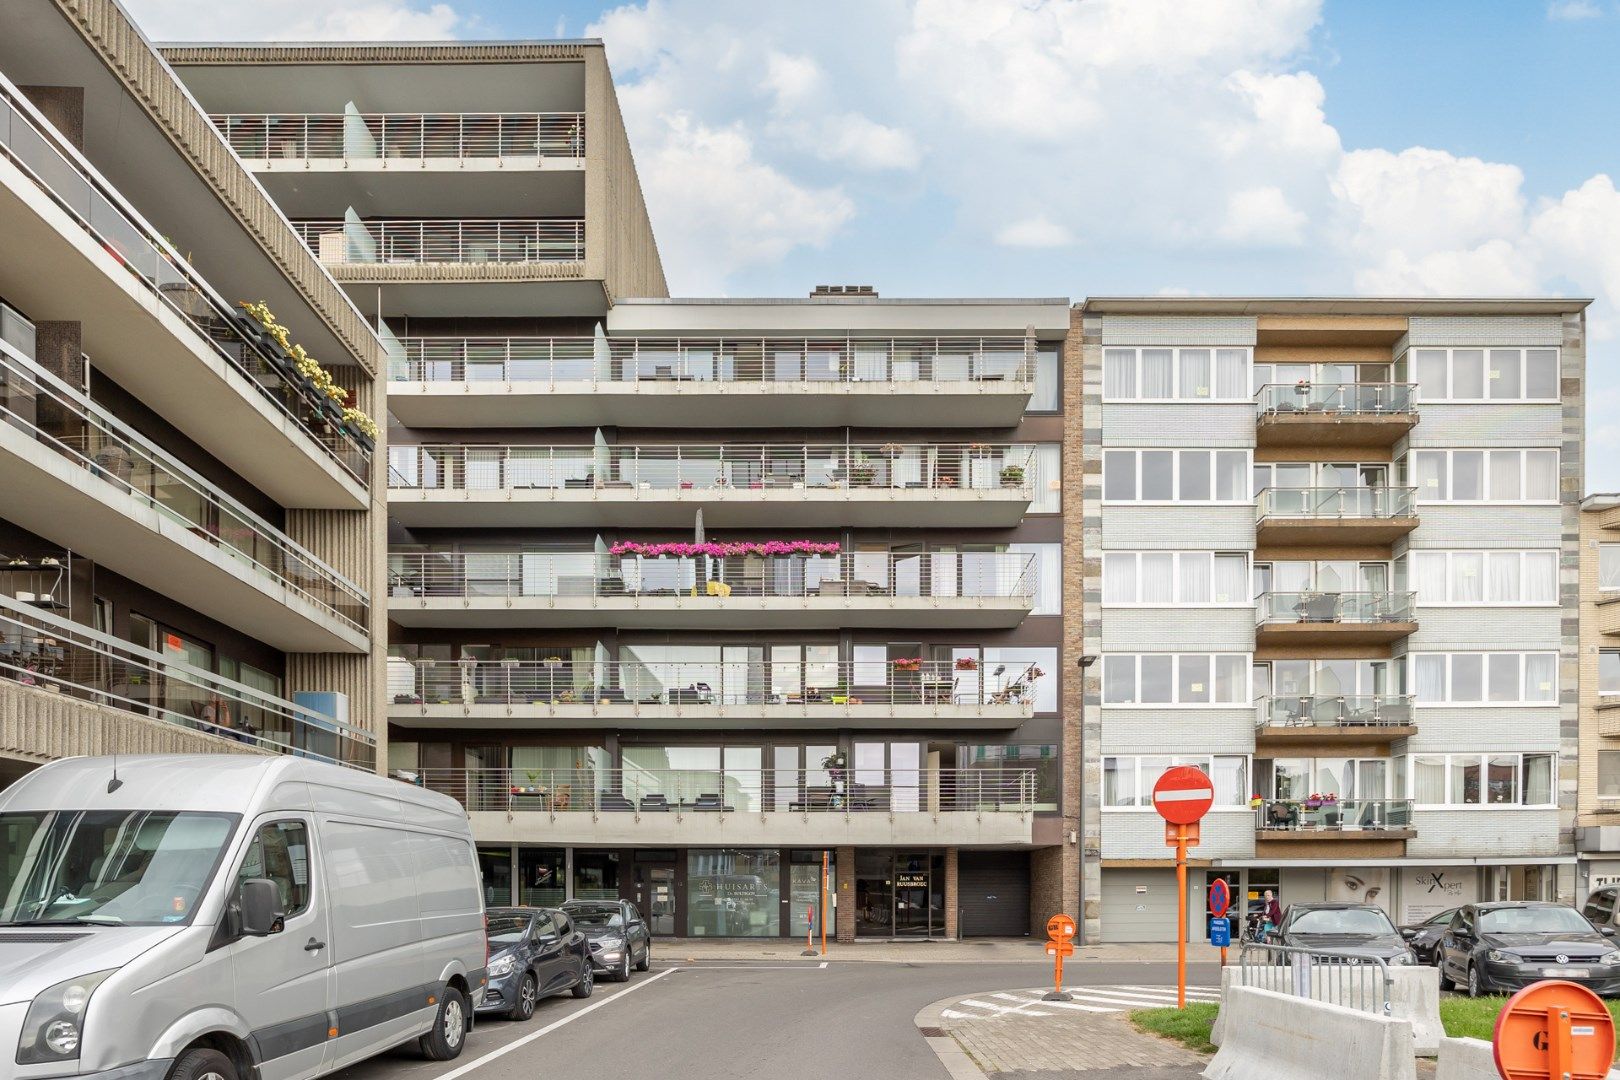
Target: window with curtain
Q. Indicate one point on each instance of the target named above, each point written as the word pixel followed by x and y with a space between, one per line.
pixel 1046 459
pixel 1478 476
pixel 1186 476
pixel 1494 779
pixel 1609 567
pixel 1167 578
pixel 1183 679
pixel 1485 577
pixel 1609 671
pixel 1045 398
pixel 1193 374
pixel 1128 779
pixel 1048 570
pixel 1497 374
pixel 1428 779
pixel 1497 678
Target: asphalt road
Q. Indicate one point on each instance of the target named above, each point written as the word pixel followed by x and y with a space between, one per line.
pixel 718 1021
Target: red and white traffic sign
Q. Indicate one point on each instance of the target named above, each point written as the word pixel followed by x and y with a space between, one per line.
pixel 1183 795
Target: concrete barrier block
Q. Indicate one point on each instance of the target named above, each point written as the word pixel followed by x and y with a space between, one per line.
pixel 1466 1059
pixel 1414 996
pixel 1271 1036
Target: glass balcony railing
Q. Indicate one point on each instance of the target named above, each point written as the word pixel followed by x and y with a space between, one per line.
pixel 1369 608
pixel 820 361
pixel 81 432
pixel 447 240
pixel 59 170
pixel 1334 711
pixel 419 136
pixel 1338 816
pixel 940 467
pixel 767 685
pixel 1336 399
pixel 744 791
pixel 53 655
pixel 993 576
pixel 1335 503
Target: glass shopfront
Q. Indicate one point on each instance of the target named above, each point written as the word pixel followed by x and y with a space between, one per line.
pixel 542 875
pixel 899 894
pixel 596 875
pixel 734 893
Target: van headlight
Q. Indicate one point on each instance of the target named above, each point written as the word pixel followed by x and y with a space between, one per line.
pixel 54 1026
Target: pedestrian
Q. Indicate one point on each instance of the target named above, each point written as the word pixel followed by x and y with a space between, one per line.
pixel 1273 914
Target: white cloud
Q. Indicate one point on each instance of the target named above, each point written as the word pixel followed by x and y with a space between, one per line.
pixel 1261 216
pixel 1035 232
pixel 1571 10
pixel 296 20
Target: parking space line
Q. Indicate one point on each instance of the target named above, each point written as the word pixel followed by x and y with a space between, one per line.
pixel 553 1026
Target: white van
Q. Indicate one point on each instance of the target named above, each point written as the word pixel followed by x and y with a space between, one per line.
pixel 209 917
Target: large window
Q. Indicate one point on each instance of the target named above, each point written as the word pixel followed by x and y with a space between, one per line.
pixel 1466 578
pixel 733 893
pixel 1495 779
pixel 1485 476
pixel 1608 774
pixel 1609 671
pixel 1174 679
pixel 1486 374
pixel 1609 567
pixel 1048 571
pixel 1048 381
pixel 1004 762
pixel 1128 779
pixel 1495 678
pixel 1047 461
pixel 1201 374
pixel 1175 476
pixel 1176 578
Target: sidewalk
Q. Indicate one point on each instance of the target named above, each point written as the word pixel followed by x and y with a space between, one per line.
pixel 973 951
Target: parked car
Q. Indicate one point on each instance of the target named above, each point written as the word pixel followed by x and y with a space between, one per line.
pixel 1503 947
pixel 1362 929
pixel 1599 908
pixel 617 933
pixel 208 914
pixel 534 953
pixel 1424 937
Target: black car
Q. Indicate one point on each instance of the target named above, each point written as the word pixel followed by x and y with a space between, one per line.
pixel 533 953
pixel 1424 937
pixel 617 933
pixel 1500 948
pixel 1355 928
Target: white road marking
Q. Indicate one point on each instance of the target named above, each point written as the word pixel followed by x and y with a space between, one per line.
pixel 697 966
pixel 549 1028
pixel 1091 999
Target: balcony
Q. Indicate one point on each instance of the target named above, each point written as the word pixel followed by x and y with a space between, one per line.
pixel 1334 414
pixel 269 142
pixel 73 473
pixel 1333 516
pixel 77 251
pixel 440 241
pixel 746 808
pixel 913 485
pixel 1607 614
pixel 1286 722
pixel 966 590
pixel 1370 828
pixel 51 655
pixel 712 382
pixel 650 695
pixel 1330 618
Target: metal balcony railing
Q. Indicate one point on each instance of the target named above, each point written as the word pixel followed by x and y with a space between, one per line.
pixel 985 576
pixel 740 791
pixel 768 685
pixel 1339 816
pixel 28 141
pixel 54 655
pixel 941 467
pixel 1334 711
pixel 1337 399
pixel 1333 607
pixel 385 136
pixel 1335 503
pixel 447 240
pixel 70 425
pixel 824 361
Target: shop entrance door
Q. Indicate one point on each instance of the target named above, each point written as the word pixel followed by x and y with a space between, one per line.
pixel 911 900
pixel 655 897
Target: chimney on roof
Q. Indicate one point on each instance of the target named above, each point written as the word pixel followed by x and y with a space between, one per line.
pixel 824 292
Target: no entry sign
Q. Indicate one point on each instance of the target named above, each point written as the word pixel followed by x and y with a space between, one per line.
pixel 1183 795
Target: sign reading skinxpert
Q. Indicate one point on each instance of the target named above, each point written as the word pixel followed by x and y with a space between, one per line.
pixel 1427 891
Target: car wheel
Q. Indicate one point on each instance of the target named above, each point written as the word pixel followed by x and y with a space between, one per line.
pixel 201 1064
pixel 528 994
pixel 1445 980
pixel 623 974
pixel 1473 981
pixel 448 1035
pixel 645 962
pixel 587 983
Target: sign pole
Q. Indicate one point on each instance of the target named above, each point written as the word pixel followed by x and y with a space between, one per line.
pixel 823 901
pixel 1060 932
pixel 1182 795
pixel 1181 920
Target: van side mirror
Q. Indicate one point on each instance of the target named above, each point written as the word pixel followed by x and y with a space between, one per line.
pixel 1409 933
pixel 260 907
pixel 1606 931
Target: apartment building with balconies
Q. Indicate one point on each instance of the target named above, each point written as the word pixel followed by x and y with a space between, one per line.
pixel 1330 557
pixel 190 526
pixel 1597 837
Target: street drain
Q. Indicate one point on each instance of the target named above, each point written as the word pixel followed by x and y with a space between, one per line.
pixel 932 1033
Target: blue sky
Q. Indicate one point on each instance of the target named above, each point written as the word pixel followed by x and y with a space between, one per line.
pixel 1074 147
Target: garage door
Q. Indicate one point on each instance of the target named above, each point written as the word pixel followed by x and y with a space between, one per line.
pixel 992 890
pixel 1138 905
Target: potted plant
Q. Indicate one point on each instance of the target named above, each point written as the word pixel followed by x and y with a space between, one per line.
pixel 1330 799
pixel 1313 801
pixel 945 481
pixel 862 473
pixel 835 764
pixel 1012 476
pixel 1255 801
pixel 967 663
pixel 908 663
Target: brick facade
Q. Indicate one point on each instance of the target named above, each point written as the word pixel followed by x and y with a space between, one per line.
pixel 844 916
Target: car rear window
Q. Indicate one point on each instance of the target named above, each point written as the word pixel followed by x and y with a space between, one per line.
pixel 1342 921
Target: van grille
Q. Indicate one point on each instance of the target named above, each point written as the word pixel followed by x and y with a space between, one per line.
pixel 38 938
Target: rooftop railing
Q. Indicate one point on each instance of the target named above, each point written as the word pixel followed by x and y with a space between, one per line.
pixel 70 425
pixel 1334 711
pixel 54 655
pixel 740 791
pixel 1335 503
pixel 447 240
pixel 768 685
pixel 61 172
pixel 986 576
pixel 830 361
pixel 384 136
pixel 942 467
pixel 1333 607
pixel 1339 816
pixel 1334 399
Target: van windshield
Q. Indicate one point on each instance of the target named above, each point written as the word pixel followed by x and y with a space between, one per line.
pixel 110 867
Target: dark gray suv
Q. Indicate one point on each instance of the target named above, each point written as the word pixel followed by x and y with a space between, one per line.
pixel 617 933
pixel 533 953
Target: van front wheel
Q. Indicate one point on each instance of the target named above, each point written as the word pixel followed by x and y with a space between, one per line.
pixel 444 1040
pixel 203 1064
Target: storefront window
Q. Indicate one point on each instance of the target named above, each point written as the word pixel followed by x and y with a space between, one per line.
pixel 596 875
pixel 542 876
pixel 804 904
pixel 733 893
pixel 495 867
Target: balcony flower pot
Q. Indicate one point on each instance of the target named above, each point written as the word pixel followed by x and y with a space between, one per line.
pixel 1012 476
pixel 967 663
pixel 1256 802
pixel 1314 802
pixel 862 475
pixel 407 699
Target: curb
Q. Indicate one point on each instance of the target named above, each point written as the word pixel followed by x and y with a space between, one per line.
pixel 929 1021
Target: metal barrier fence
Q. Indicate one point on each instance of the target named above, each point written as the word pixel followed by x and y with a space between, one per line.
pixel 447 240
pixel 1334 710
pixel 1335 815
pixel 1335 502
pixel 381 136
pixel 1386 399
pixel 1346 978
pixel 1334 607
